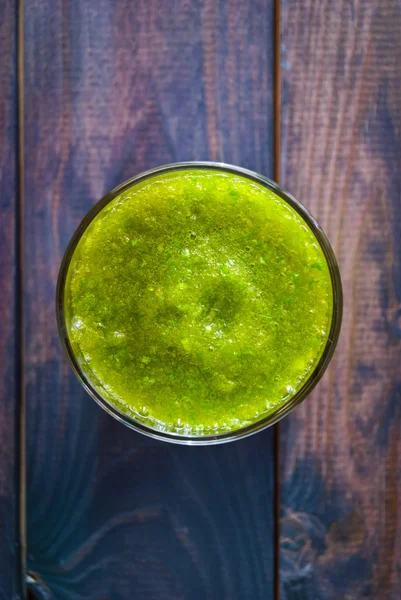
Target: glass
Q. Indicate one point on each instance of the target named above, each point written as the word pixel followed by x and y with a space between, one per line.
pixel 265 421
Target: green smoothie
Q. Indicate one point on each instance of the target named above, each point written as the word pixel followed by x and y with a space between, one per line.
pixel 198 301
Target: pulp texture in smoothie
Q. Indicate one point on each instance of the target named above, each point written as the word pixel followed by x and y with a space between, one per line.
pixel 198 301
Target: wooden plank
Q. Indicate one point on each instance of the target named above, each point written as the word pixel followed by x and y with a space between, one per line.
pixel 341 156
pixel 116 87
pixel 10 538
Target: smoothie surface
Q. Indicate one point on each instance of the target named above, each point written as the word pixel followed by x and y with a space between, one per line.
pixel 198 301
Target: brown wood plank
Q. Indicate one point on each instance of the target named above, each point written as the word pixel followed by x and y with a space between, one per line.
pixel 10 539
pixel 341 156
pixel 113 88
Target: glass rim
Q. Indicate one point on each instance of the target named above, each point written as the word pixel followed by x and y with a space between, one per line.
pixel 265 421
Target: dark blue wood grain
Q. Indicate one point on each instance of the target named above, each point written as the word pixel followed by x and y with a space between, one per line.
pixel 116 87
pixel 341 155
pixel 11 555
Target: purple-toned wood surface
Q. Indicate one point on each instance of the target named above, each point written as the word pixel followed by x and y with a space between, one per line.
pixel 10 539
pixel 341 155
pixel 113 88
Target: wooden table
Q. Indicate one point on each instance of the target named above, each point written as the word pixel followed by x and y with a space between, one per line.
pixel 92 92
